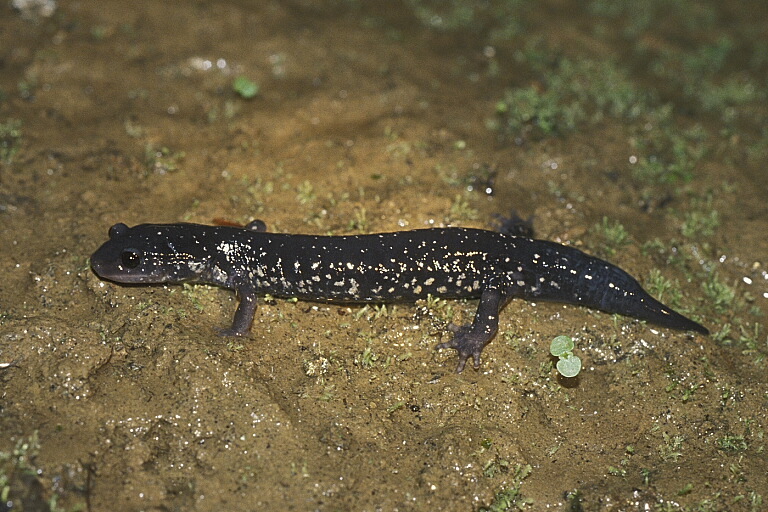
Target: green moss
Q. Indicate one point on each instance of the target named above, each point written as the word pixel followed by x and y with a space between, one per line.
pixel 511 498
pixel 245 88
pixel 732 443
pixel 305 192
pixel 499 19
pixel 447 15
pixel 367 358
pixel 21 487
pixel 532 108
pixel 666 153
pixel 702 76
pixel 632 18
pixel 573 93
pixel 442 310
pixel 699 224
pixel 10 140
pixel 721 296
pixel 462 211
pixel 671 448
pixel 162 160
pixel 360 221
pixel 610 236
pixel 620 472
pixel 663 289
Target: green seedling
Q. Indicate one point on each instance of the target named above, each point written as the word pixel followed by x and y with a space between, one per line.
pixel 568 364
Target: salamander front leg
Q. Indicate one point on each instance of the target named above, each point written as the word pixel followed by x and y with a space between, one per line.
pixel 241 324
pixel 470 340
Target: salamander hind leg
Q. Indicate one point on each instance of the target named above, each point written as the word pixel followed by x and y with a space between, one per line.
pixel 470 340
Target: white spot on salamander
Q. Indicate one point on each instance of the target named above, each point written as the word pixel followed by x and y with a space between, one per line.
pixel 195 266
pixel 226 248
pixel 219 275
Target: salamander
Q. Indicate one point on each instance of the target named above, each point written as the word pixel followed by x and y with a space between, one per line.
pixel 401 266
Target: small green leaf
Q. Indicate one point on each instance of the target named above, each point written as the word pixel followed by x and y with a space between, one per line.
pixel 561 346
pixel 245 87
pixel 569 366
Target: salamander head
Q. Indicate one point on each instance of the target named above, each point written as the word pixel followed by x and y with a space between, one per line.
pixel 151 253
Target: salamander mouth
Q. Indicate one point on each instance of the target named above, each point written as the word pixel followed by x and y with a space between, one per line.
pixel 117 274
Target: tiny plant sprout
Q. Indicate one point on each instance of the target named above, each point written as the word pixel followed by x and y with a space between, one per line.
pixel 245 87
pixel 568 364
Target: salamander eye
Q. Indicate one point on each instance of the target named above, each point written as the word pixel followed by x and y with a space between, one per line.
pixel 130 258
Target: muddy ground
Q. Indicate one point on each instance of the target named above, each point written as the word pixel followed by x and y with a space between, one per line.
pixel 377 117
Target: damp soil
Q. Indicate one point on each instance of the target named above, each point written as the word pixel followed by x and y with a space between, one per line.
pixel 366 119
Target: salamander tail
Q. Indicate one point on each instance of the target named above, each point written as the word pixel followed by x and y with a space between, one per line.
pixel 648 308
pixel 578 278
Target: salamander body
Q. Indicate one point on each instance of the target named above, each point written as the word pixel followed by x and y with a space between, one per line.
pixel 401 266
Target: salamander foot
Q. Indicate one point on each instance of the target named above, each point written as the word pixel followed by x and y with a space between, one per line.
pixel 468 343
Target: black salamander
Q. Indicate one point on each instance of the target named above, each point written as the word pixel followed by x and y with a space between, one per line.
pixel 388 267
